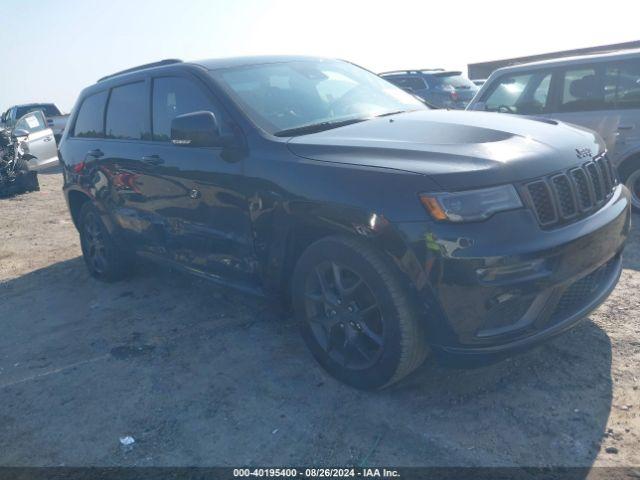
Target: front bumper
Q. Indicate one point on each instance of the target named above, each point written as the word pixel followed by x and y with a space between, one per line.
pixel 505 284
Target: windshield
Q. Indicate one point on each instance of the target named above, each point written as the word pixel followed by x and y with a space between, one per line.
pixel 282 97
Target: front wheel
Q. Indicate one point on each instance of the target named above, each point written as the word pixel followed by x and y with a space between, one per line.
pixel 103 258
pixel 632 182
pixel 354 314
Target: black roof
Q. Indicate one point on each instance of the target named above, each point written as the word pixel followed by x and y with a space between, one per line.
pixel 217 63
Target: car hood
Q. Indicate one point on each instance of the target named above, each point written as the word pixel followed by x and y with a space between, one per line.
pixel 456 149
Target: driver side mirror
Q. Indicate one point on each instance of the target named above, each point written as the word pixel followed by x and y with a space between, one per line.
pixel 196 129
pixel 20 133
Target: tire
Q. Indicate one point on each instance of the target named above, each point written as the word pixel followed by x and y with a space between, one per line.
pixel 28 178
pixel 359 323
pixel 103 258
pixel 630 176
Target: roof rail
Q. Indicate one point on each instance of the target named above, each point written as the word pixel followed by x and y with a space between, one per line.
pixel 414 70
pixel 168 61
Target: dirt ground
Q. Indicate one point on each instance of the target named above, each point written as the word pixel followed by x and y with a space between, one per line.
pixel 202 376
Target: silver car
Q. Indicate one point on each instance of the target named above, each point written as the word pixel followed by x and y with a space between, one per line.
pixel 39 139
pixel 600 92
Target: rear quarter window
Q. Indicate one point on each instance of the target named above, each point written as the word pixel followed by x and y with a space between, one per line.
pixel 90 119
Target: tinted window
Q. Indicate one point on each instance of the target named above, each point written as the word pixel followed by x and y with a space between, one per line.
pixel 32 122
pixel 89 122
pixel 525 94
pixel 622 85
pixel 127 113
pixel 582 89
pixel 173 96
pixel 412 83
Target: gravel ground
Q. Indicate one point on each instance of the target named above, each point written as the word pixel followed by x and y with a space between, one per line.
pixel 200 376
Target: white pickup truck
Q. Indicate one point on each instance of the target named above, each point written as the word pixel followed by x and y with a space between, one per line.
pixel 56 120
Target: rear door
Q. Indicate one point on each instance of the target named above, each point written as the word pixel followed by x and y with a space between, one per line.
pixel 579 99
pixel 135 186
pixel 40 140
pixel 622 89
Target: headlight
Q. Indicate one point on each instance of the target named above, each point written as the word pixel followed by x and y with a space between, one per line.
pixel 471 205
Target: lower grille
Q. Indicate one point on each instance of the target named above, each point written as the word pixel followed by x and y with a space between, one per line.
pixel 564 197
pixel 581 292
pixel 515 315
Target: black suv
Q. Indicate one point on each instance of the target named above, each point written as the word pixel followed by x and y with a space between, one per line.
pixel 393 230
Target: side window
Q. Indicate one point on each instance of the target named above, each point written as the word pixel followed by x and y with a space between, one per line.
pixel 582 90
pixel 622 85
pixel 540 95
pixel 507 92
pixel 524 94
pixel 127 117
pixel 173 96
pixel 90 119
pixel 32 122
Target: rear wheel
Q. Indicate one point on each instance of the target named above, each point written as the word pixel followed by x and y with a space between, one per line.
pixel 104 259
pixel 28 178
pixel 354 314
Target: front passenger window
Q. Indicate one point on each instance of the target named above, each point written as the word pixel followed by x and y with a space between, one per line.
pixel 525 94
pixel 173 96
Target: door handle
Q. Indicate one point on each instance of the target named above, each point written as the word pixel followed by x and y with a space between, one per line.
pixel 152 160
pixel 47 138
pixel 626 127
pixel 97 153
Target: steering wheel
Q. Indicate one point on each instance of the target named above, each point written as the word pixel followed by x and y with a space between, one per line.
pixel 506 109
pixel 342 106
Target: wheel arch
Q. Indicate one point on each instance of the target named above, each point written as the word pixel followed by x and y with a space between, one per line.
pixel 76 199
pixel 628 159
pixel 292 233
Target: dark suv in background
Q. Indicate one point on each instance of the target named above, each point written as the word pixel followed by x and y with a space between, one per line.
pixel 392 229
pixel 437 87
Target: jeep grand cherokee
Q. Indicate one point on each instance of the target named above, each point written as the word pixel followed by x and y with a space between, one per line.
pixel 393 230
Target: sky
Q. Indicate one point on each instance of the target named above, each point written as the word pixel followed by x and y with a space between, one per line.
pixel 52 49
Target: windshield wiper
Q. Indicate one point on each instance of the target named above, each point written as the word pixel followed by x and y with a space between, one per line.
pixel 317 127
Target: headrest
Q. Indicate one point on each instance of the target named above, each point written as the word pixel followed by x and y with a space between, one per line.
pixel 586 88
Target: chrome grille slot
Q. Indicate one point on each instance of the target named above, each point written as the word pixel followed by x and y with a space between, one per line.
pixel 583 191
pixel 542 201
pixel 564 195
pixel 596 183
pixel 604 173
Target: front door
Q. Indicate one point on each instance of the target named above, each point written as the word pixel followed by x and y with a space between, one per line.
pixel 206 220
pixel 40 140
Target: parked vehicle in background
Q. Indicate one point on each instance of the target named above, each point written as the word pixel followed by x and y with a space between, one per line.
pixel 437 87
pixel 15 174
pixel 393 229
pixel 39 140
pixel 56 120
pixel 600 92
